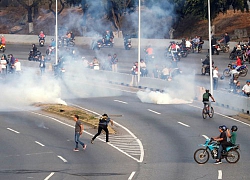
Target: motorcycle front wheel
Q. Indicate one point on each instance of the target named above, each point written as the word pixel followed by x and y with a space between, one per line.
pixel 233 156
pixel 201 156
pixel 243 72
pixel 226 72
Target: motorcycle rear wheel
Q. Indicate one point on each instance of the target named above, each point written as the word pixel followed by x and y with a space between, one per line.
pixel 226 72
pixel 233 156
pixel 243 72
pixel 201 156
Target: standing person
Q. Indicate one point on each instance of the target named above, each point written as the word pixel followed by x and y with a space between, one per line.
pixel 222 138
pixel 12 63
pixel 114 61
pixel 246 88
pixel 17 66
pixel 4 63
pixel 103 125
pixel 42 65
pixel 215 77
pixel 78 133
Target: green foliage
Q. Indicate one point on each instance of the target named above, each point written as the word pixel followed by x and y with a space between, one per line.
pixel 200 7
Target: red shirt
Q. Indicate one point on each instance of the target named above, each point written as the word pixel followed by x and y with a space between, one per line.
pixel 3 41
pixel 238 62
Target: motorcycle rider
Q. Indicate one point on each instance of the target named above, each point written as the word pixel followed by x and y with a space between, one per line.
pixel 222 138
pixel 232 135
pixel 238 63
pixel 108 37
pixel 205 99
pixel 126 39
pixel 213 42
pixel 225 39
pixel 206 64
pixel 41 36
pixel 3 41
pixel 34 50
pixel 196 42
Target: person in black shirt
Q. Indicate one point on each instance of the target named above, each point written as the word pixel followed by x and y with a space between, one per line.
pixel 222 138
pixel 103 125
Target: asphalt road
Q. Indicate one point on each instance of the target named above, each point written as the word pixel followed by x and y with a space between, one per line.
pixel 169 133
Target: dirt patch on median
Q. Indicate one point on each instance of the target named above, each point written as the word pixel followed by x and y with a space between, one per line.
pixel 70 111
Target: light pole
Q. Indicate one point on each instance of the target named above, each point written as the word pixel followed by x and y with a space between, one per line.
pixel 139 40
pixel 210 48
pixel 56 34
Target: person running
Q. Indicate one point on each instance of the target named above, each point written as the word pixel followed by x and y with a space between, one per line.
pixel 103 125
pixel 78 133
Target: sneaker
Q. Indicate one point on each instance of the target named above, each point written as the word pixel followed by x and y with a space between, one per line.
pixel 92 141
pixel 75 149
pixel 84 147
pixel 107 141
pixel 217 162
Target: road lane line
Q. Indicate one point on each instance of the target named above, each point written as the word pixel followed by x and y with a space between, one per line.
pixel 121 101
pixel 131 175
pixel 13 130
pixel 126 129
pixel 39 143
pixel 49 176
pixel 153 111
pixel 183 124
pixel 64 160
pixel 219 174
pixel 223 115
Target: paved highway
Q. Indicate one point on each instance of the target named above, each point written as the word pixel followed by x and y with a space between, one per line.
pixel 38 147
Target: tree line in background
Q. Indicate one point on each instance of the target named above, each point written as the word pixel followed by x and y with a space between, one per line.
pixel 116 11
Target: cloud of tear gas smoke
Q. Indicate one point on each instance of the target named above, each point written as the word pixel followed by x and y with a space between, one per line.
pixel 29 88
pixel 181 90
pixel 155 22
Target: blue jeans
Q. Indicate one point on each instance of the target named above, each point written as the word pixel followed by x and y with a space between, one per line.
pixel 77 136
pixel 215 83
pixel 219 152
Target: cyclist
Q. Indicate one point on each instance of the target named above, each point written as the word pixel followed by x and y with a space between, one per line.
pixel 222 139
pixel 205 99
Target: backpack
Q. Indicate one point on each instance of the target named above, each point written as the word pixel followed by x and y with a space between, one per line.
pixel 206 97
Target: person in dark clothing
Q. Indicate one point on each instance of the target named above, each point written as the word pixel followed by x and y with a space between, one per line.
pixel 103 125
pixel 78 133
pixel 222 138
pixel 213 42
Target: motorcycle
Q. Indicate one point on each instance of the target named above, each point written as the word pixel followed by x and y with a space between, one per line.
pixel 34 57
pixel 41 41
pixel 64 42
pixel 225 48
pixel 210 147
pixel 97 45
pixel 127 43
pixel 241 71
pixel 216 48
pixel 2 47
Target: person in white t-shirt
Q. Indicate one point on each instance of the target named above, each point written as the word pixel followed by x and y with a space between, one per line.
pixel 3 64
pixel 246 88
pixel 215 77
pixel 17 66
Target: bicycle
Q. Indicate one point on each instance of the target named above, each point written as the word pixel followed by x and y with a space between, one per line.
pixel 205 111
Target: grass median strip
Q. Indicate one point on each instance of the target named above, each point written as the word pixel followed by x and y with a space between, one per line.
pixel 70 111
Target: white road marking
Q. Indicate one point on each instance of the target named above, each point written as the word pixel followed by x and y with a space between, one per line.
pixel 49 176
pixel 183 124
pixel 223 115
pixel 219 174
pixel 131 175
pixel 153 111
pixel 121 101
pixel 39 143
pixel 13 130
pixel 64 160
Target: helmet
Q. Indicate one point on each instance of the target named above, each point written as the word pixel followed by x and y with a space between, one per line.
pixel 222 77
pixel 223 127
pixel 234 128
pixel 52 39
